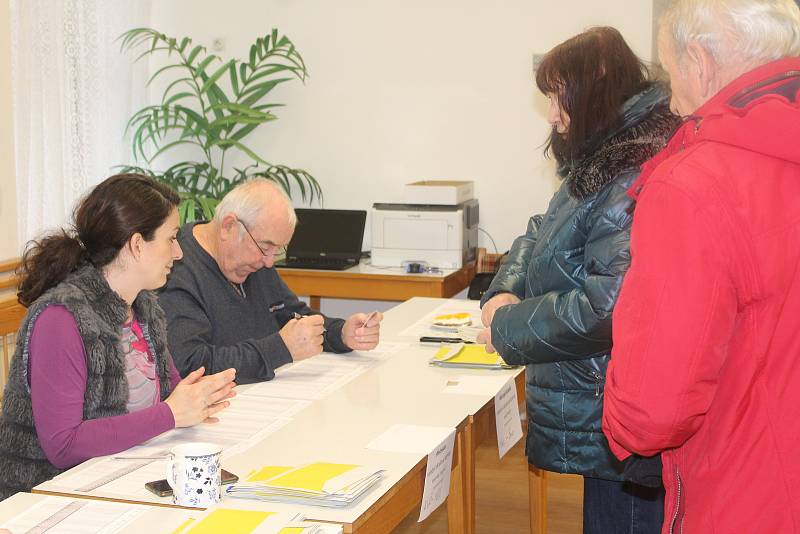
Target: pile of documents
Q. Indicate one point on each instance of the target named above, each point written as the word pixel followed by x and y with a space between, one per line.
pixel 468 356
pixel 316 484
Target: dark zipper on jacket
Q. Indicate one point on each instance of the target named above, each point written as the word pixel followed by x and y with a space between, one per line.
pixel 597 380
pixel 677 505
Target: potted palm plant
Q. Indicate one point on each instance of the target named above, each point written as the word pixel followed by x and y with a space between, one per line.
pixel 212 106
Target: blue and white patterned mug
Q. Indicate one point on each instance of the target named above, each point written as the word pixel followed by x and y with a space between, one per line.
pixel 193 471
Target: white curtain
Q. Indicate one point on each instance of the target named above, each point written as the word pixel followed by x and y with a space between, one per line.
pixel 73 92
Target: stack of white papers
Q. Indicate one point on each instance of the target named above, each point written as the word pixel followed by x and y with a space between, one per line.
pixel 316 484
pixel 468 356
pixel 314 378
pixel 248 420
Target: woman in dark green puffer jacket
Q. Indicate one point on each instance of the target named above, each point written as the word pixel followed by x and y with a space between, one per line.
pixel 550 305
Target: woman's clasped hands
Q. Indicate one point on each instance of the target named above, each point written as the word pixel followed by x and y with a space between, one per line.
pixel 197 398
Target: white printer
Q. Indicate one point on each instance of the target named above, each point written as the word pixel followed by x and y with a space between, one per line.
pixel 443 236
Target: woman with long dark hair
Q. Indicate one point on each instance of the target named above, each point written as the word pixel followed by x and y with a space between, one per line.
pixel 550 305
pixel 92 374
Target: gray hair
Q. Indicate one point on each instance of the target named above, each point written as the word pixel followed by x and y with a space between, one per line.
pixel 745 32
pixel 246 201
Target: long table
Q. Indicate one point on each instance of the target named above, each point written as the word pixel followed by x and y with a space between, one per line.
pixel 398 389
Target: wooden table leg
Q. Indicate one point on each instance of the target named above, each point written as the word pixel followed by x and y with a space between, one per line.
pixel 470 446
pixel 314 302
pixel 457 519
pixel 537 495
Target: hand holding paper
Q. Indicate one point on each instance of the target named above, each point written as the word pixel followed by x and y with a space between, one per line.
pixel 362 331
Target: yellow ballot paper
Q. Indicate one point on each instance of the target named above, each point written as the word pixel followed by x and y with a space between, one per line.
pixel 470 356
pixel 462 355
pixel 266 473
pixel 318 483
pixel 237 521
pixel 225 520
pixel 311 477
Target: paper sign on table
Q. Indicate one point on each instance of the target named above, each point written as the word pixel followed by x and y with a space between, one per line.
pixel 437 476
pixel 506 411
pixel 483 384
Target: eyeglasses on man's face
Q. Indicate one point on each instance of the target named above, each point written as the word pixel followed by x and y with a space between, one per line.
pixel 272 248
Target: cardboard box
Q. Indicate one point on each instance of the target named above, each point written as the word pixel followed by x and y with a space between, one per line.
pixel 439 192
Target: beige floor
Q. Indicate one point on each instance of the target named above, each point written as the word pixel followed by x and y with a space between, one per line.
pixel 502 499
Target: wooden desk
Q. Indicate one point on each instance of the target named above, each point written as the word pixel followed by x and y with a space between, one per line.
pixel 373 283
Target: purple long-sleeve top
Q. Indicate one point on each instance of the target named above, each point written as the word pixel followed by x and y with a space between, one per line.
pixel 57 375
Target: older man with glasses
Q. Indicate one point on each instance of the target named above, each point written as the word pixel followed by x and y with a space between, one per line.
pixel 227 307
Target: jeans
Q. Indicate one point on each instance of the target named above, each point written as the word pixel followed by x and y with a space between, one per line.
pixel 612 507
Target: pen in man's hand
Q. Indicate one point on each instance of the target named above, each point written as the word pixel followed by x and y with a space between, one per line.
pixel 369 317
pixel 298 317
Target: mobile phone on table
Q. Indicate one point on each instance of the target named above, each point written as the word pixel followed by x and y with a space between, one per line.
pixel 162 489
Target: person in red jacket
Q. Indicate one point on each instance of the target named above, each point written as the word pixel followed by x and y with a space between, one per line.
pixel 705 367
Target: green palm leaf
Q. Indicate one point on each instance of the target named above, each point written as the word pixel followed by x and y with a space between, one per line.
pixel 213 108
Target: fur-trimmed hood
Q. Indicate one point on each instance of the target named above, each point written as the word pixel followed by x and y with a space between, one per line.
pixel 646 126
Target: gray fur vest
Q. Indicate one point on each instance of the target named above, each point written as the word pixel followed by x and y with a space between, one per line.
pixel 99 313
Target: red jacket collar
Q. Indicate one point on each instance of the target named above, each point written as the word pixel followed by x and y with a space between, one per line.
pixel 719 104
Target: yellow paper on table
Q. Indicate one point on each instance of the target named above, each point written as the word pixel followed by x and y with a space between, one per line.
pixel 310 477
pixel 183 526
pixel 469 354
pixel 228 521
pixel 266 473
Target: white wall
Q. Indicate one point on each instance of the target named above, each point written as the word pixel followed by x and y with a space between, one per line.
pixel 401 91
pixel 8 199
pixel 398 92
pixel 659 6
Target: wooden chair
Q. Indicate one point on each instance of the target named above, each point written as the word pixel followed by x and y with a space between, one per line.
pixel 11 314
pixel 486 262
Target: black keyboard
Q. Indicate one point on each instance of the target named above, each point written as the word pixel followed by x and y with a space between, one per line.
pixel 330 264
